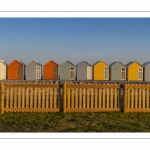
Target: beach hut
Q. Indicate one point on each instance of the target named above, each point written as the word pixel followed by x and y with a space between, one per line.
pixel 84 71
pixel 67 71
pixel 134 71
pixel 51 71
pixel 117 71
pixel 100 71
pixel 3 70
pixel 34 71
pixel 146 71
pixel 16 70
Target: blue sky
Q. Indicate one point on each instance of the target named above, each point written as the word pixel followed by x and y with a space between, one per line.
pixel 75 39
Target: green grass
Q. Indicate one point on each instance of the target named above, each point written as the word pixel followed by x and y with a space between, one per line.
pixel 75 122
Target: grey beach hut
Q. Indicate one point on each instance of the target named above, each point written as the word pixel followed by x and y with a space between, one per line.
pixel 146 71
pixel 34 71
pixel 84 71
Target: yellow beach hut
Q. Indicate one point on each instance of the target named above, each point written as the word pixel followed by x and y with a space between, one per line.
pixel 100 71
pixel 134 71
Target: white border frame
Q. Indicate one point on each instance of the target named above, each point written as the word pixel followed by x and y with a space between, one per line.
pixel 121 73
pixel 104 72
pixel 36 72
pixel 142 73
pixel 70 73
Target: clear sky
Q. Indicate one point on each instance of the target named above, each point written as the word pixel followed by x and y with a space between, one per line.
pixel 75 39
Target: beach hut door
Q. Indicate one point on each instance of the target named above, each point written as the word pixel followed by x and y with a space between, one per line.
pixel 89 73
pixel 38 72
pixel 20 72
pixel 1 72
pixel 55 72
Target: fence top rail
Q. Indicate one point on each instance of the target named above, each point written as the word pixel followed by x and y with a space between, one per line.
pixel 138 86
pixel 93 86
pixel 32 85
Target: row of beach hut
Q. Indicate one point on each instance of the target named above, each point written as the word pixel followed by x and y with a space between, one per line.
pixel 17 70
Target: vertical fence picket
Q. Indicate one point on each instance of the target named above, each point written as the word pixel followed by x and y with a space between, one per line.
pixel 7 97
pixel 111 98
pixel 27 97
pixel 23 99
pixel 35 97
pixel 80 98
pixel 143 98
pixel 116 97
pixel 91 98
pixel 2 94
pixel 99 98
pixel 11 97
pixel 72 99
pixel 64 97
pixel 147 99
pixel 107 98
pixel 83 97
pixel 132 97
pixel 135 98
pixel 43 97
pixel 76 101
pixel 103 98
pixel 19 97
pixel 15 97
pixel 139 98
pixel 39 97
pixel 31 97
pixel 128 100
pixel 68 99
pixel 87 97
pixel 125 98
pixel 51 97
pixel 47 97
pixel 95 98
pixel 55 98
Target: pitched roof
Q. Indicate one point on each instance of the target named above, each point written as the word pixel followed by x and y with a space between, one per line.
pixel 115 63
pixel 35 61
pixel 98 62
pixel 68 62
pixel 51 61
pixel 2 61
pixel 146 63
pixel 131 62
pixel 19 62
pixel 83 62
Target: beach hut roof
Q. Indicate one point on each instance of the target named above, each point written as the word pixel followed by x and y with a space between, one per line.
pixel 131 62
pixel 68 62
pixel 20 62
pixel 51 61
pixel 98 62
pixel 146 63
pixel 115 63
pixel 2 61
pixel 82 62
pixel 34 61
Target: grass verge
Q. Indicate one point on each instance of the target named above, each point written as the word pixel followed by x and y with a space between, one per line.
pixel 75 122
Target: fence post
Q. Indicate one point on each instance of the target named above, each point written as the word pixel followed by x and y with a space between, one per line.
pixel 64 97
pixel 125 98
pixel 2 98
